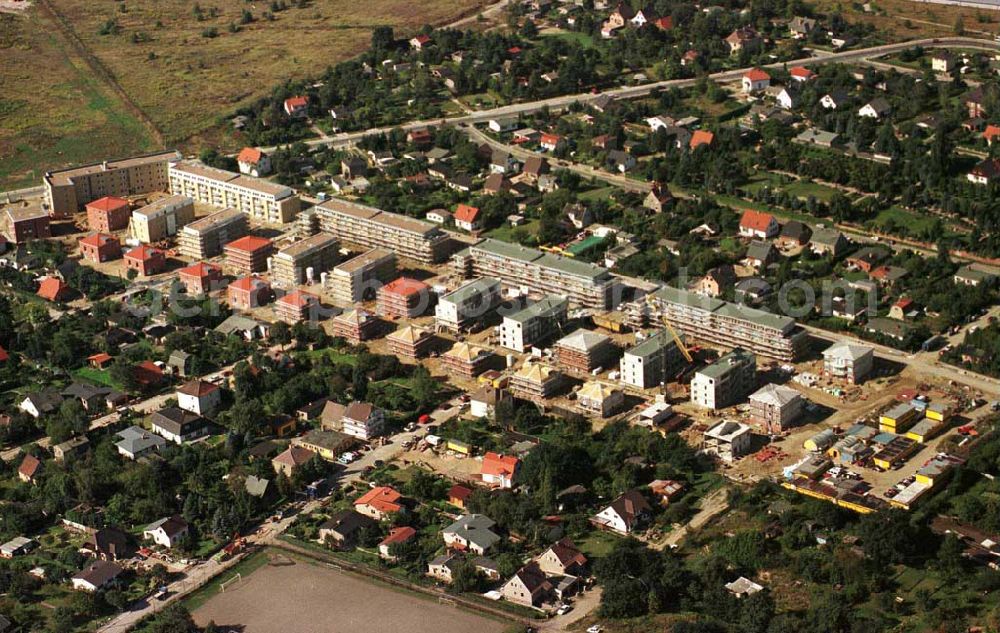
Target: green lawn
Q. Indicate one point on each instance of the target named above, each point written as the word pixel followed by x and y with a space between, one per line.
pixel 332 354
pixel 803 189
pixel 247 566
pixel 506 232
pixel 597 544
pixel 573 37
pixel 98 377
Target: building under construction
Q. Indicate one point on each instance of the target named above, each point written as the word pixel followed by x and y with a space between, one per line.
pixel 359 278
pixel 536 381
pixel 354 223
pixel 304 261
pixel 656 360
pixel 248 255
pixel 720 323
pixel 403 298
pixel 296 306
pixel 355 326
pixel 206 237
pixel 467 360
pixel 584 351
pixel 540 273
pixel 410 342
pixel 161 218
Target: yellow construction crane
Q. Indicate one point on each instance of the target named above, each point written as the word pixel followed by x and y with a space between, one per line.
pixel 670 328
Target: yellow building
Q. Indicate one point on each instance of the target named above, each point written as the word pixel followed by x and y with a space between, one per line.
pixel 939 412
pixel 924 430
pixel 898 419
pixel 459 447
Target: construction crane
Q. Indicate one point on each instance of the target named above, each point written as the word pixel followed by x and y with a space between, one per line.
pixel 650 302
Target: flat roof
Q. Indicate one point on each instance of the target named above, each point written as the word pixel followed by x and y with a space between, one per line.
pixel 214 221
pixel 508 250
pixel 471 288
pixel 162 205
pixel 237 180
pixel 573 267
pixel 727 363
pixel 367 258
pixel 653 344
pixel 542 308
pixel 676 295
pixel 65 176
pixel 308 246
pixel 385 218
pixel 30 212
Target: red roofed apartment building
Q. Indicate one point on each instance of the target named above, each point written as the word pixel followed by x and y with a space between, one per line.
pixel 379 503
pixel 248 255
pixel 758 224
pixel 467 218
pixel 108 214
pixel 100 247
pixel 403 298
pixel 295 307
pixel 146 260
pixel 248 293
pixel 499 470
pixel 253 162
pixel 52 289
pixel 201 278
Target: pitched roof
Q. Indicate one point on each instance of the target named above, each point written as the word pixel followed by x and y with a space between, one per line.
pixel 98 240
pixel 200 270
pixel 98 573
pixel 405 286
pixel 383 499
pixel 701 137
pixel 250 155
pixel 756 74
pixel 776 395
pixel 197 388
pixel 30 466
pixel 802 71
pixel 143 253
pixel 567 553
pixel 171 526
pixel 630 505
pixel 294 456
pixel 495 464
pixel 108 203
pixel 465 213
pixel 248 284
pixel 298 299
pixel 250 243
pixel 347 522
pixel 296 102
pixel 756 220
pixel 399 535
pixel 4 356
pixel 459 491
pixel 52 289
pixel 360 411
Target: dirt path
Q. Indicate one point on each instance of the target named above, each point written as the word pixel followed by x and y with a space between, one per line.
pixel 711 506
pixel 100 70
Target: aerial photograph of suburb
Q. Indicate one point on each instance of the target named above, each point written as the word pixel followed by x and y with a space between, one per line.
pixel 500 316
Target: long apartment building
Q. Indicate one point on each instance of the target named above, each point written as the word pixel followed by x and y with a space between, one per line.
pixel 259 199
pixel 720 323
pixel 534 324
pixel 68 190
pixel 539 273
pixel 161 218
pixel 651 362
pixel 353 223
pixel 206 237
pixel 359 278
pixel 304 260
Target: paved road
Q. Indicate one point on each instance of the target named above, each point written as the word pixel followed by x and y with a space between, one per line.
pixel 632 92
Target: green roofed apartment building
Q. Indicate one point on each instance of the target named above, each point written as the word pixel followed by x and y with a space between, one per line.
pixel 538 273
pixel 534 324
pixel 471 302
pixel 651 362
pixel 721 323
pixel 726 381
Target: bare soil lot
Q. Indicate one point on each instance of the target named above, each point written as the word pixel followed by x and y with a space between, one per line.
pixel 309 598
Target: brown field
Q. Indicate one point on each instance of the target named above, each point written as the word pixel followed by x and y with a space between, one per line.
pixel 56 110
pixel 309 598
pixel 910 19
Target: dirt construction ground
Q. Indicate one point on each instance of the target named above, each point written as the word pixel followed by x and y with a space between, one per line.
pixel 279 597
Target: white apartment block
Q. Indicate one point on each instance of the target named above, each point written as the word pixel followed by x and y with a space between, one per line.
pixel 726 381
pixel 651 362
pixel 469 303
pixel 259 199
pixel 534 324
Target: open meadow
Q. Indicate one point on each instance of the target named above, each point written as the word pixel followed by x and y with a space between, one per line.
pixel 85 80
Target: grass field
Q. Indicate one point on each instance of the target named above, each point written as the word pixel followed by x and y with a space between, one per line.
pixel 54 111
pixel 910 19
pixel 274 597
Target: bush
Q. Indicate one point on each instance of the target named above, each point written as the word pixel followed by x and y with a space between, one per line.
pixel 210 33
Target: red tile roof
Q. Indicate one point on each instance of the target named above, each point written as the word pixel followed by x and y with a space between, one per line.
pixel 250 243
pixel 664 23
pixel 298 299
pixel 399 535
pixel 756 74
pixel 406 286
pixel 147 373
pixel 383 499
pixel 294 456
pixel 4 356
pixel 701 137
pixel 296 102
pixel 143 253
pixel 99 358
pixel 802 71
pixel 465 213
pixel 550 139
pixel 29 466
pixel 495 464
pixel 991 132
pixel 197 388
pixel 247 284
pixel 756 220
pixel 200 270
pixel 250 155
pixel 98 240
pixel 52 289
pixel 108 203
pixel 459 492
